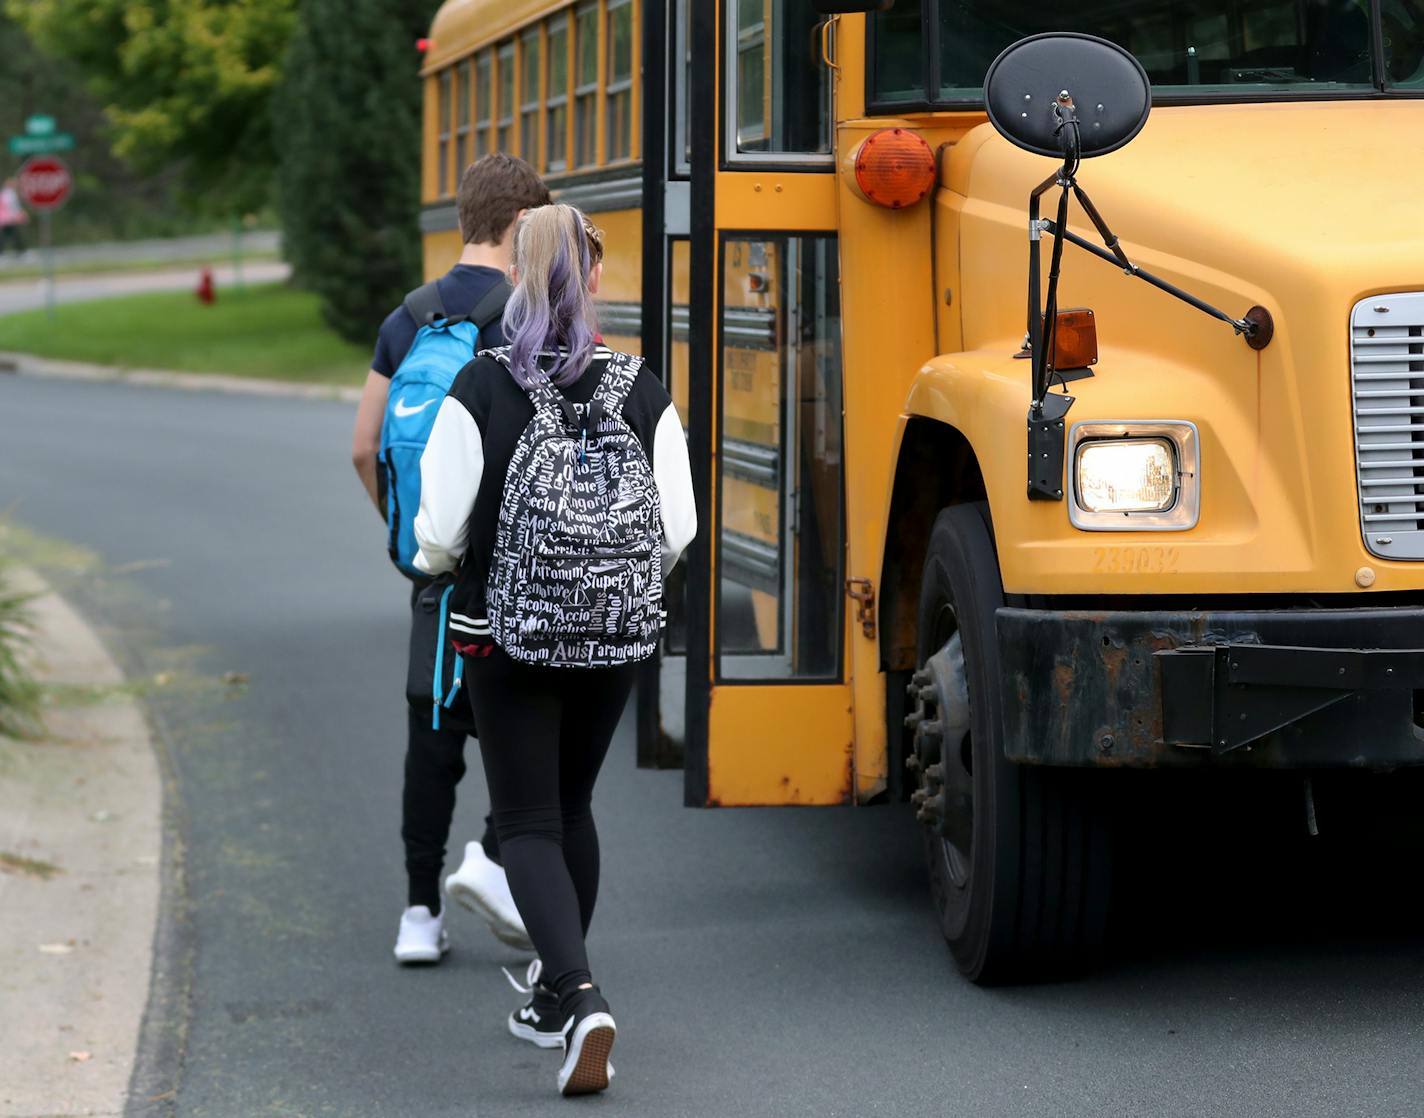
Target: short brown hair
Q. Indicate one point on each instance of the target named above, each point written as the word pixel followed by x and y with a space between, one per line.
pixel 493 190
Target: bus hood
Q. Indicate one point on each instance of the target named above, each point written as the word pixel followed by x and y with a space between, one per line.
pixel 1239 196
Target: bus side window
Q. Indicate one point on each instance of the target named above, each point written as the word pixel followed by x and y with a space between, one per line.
pixel 443 164
pixel 899 45
pixel 778 88
pixel 504 62
pixel 618 84
pixel 586 85
pixel 484 103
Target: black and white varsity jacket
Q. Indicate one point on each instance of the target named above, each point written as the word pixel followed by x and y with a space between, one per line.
pixel 466 458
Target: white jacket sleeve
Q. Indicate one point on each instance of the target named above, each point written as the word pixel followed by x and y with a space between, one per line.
pixel 450 472
pixel 673 474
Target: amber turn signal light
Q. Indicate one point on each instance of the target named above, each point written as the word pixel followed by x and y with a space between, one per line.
pixel 894 168
pixel 1075 339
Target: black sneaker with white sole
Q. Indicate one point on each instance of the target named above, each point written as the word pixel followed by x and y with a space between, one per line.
pixel 589 1031
pixel 538 1021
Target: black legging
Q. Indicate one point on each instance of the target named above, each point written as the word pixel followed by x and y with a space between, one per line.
pixel 543 735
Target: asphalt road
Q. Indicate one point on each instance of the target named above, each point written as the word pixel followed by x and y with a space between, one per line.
pixel 770 962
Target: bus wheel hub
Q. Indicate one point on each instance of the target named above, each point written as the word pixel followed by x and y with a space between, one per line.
pixel 940 757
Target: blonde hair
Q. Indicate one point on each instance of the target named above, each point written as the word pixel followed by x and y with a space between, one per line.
pixel 556 249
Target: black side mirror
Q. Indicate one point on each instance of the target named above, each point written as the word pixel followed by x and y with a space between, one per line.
pixel 1109 86
pixel 847 7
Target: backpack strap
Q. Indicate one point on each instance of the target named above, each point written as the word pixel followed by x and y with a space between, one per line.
pixel 424 304
pixel 542 394
pixel 492 305
pixel 619 376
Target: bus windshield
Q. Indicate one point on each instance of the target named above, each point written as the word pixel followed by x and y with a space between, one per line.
pixel 936 52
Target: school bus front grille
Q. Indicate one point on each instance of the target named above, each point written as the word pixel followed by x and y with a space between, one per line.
pixel 1387 382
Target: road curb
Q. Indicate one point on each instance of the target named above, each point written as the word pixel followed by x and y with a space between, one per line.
pixel 83 808
pixel 27 364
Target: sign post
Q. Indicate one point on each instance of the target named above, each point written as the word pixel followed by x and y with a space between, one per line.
pixel 45 184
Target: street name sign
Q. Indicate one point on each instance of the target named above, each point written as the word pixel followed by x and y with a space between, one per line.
pixel 43 144
pixel 40 124
pixel 45 182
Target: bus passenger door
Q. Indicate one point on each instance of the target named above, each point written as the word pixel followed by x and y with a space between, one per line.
pixel 768 704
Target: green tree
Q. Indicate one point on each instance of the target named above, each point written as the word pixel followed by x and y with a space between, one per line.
pixel 348 134
pixel 182 81
pixel 110 200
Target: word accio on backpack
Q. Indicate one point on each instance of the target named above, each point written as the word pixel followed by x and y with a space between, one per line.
pixel 443 345
pixel 577 577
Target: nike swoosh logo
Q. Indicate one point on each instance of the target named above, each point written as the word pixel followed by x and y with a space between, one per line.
pixel 402 410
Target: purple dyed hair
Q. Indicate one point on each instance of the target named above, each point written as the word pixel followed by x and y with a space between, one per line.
pixel 551 310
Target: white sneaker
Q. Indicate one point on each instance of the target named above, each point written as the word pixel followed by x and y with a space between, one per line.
pixel 480 886
pixel 422 937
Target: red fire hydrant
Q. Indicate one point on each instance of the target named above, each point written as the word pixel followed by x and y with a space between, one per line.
pixel 205 290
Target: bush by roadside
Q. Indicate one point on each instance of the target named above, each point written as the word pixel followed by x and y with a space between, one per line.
pixel 19 693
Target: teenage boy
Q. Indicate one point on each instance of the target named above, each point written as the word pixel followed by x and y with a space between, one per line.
pixel 493 193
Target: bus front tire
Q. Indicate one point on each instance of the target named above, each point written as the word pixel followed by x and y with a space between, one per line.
pixel 1018 858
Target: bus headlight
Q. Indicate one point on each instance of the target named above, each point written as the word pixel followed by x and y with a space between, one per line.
pixel 1127 475
pixel 1134 476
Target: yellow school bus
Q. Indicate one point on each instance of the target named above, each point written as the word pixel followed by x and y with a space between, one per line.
pixel 1215 560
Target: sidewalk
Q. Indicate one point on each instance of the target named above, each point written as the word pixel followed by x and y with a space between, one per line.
pixel 28 294
pixel 219 246
pixel 80 841
pixel 27 364
pixel 103 255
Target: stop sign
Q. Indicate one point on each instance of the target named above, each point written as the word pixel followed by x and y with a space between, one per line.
pixel 44 182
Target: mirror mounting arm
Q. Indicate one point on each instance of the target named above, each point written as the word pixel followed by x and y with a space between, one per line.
pixel 1046 412
pixel 1116 97
pixel 1254 325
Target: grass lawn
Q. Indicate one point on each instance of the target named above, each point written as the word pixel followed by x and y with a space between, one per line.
pixel 265 331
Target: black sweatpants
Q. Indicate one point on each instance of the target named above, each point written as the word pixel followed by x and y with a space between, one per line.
pixel 543 735
pixel 434 765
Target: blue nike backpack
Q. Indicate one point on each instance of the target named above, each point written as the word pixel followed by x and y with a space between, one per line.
pixel 443 345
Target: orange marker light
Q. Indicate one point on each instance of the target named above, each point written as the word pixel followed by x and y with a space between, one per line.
pixel 1075 339
pixel 894 168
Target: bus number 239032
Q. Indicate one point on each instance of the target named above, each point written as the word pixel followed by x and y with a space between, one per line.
pixel 1134 560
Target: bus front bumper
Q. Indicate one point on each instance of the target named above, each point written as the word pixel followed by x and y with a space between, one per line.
pixel 1306 688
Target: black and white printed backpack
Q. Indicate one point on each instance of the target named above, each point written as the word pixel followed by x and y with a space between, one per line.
pixel 577 574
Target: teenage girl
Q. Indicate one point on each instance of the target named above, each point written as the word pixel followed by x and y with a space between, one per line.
pixel 544 730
